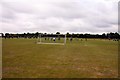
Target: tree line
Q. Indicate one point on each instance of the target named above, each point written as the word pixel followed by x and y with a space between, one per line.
pixel 110 35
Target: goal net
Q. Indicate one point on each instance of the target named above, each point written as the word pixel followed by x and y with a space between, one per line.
pixel 59 39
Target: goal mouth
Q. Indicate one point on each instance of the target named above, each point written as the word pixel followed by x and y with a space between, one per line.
pixel 55 39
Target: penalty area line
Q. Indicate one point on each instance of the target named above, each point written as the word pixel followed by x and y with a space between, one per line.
pixel 51 43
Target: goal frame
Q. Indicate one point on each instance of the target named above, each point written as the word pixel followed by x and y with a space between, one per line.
pixel 39 40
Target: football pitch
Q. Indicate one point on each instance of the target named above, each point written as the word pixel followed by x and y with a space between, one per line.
pixel 94 58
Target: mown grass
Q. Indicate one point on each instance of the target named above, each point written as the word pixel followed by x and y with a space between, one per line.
pixel 23 58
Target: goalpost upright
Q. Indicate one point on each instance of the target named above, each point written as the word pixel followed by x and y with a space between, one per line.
pixel 65 40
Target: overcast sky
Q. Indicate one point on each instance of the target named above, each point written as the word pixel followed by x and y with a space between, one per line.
pixel 78 16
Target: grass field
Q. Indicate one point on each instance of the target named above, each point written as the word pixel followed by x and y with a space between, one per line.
pixel 23 58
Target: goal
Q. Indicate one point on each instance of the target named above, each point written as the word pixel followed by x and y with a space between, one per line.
pixel 59 39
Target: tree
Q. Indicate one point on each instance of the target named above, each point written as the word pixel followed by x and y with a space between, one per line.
pixel 37 34
pixel 57 32
pixel 116 35
pixel 1 35
pixel 103 35
pixel 7 35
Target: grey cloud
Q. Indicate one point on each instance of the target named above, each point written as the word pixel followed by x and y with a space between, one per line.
pixel 7 13
pixel 60 15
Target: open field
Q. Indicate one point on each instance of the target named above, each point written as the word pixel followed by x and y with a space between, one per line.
pixel 23 58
